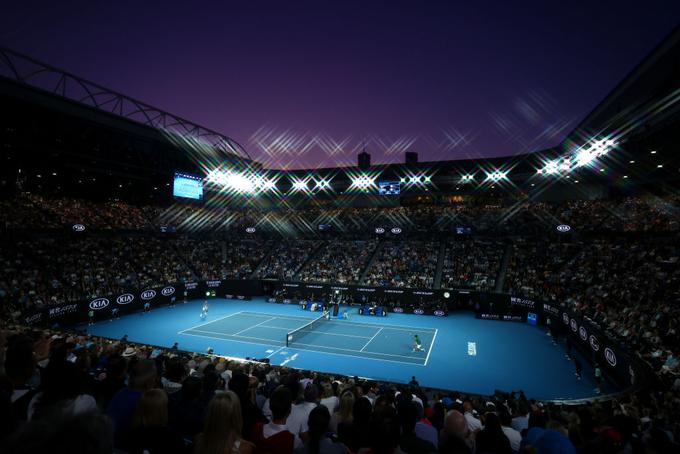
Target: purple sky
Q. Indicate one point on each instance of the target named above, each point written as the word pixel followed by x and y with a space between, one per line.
pixel 306 84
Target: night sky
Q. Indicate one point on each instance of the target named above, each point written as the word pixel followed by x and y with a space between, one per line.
pixel 307 84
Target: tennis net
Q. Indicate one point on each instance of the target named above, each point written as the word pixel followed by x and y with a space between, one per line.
pixel 297 333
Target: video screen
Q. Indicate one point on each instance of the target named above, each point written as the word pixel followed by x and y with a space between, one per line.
pixel 388 187
pixel 187 186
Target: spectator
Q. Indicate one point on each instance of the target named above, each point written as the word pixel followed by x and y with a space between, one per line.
pixel 329 399
pixel 514 436
pixel 491 438
pixel 274 437
pixel 317 441
pixel 223 425
pixel 456 437
pixel 122 407
pixel 409 442
pixel 150 432
pixel 297 421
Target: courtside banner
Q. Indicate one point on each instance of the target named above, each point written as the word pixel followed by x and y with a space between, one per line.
pixel 591 339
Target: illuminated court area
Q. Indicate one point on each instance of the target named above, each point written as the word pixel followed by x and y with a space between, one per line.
pixel 336 337
pixel 459 351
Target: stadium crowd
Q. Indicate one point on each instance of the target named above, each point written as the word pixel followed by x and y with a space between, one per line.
pixel 286 259
pixel 473 263
pixel 340 261
pixel 69 392
pixel 404 264
pixel 59 388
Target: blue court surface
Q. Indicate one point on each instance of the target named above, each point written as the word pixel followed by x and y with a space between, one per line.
pixel 459 352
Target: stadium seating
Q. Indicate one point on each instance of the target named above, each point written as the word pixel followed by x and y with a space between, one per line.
pixel 612 270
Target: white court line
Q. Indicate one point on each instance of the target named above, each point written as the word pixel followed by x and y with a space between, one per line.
pixel 240 335
pixel 431 345
pixel 255 326
pixel 276 351
pixel 370 340
pixel 212 321
pixel 315 351
pixel 244 330
pixel 292 346
pixel 347 322
pixel 335 334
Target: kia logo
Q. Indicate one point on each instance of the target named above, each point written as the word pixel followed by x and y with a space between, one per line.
pixel 563 228
pixel 439 313
pixel 126 298
pixel 574 325
pixel 398 310
pixel 594 343
pixel 565 318
pixel 148 294
pixel 418 311
pixel 78 228
pixel 99 303
pixel 582 332
pixel 610 356
pixel 379 230
pixel 167 291
pixel 396 230
pixel 250 230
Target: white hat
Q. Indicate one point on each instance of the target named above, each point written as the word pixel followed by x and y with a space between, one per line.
pixel 129 352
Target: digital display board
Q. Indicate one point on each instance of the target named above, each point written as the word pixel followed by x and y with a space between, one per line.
pixel 187 186
pixel 388 187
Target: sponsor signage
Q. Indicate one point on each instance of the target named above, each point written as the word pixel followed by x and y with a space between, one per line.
pixel 365 290
pixel 213 284
pixel 191 285
pixel 583 334
pixel 167 291
pixel 563 228
pixel 62 310
pixel 395 230
pixel 78 228
pixel 522 302
pixel 594 343
pixel 610 356
pixel 148 294
pixel 547 308
pixel 98 303
pixel 573 325
pixel 398 310
pixel 35 318
pixel 125 298
pixel 439 313
pixel 251 230
pixel 379 230
pixel 418 311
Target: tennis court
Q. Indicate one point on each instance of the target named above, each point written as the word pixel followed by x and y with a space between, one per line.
pixel 339 337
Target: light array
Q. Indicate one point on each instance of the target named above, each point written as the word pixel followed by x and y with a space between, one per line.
pixel 245 182
pixel 585 156
pixel 362 181
pixel 497 175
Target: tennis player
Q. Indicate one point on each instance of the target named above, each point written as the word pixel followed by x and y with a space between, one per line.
pixel 417 345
